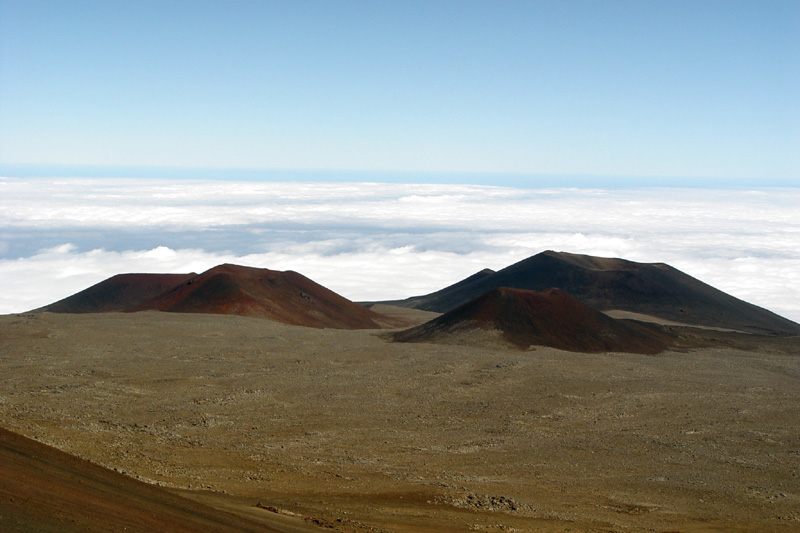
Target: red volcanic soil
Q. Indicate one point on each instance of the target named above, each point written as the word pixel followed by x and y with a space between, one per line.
pixel 118 293
pixel 548 318
pixel 44 489
pixel 286 297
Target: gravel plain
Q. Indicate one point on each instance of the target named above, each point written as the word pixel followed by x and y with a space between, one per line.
pixel 356 433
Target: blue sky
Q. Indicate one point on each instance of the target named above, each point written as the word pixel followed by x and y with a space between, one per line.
pixel 640 89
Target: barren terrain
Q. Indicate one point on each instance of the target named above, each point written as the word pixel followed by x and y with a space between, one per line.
pixel 44 489
pixel 357 433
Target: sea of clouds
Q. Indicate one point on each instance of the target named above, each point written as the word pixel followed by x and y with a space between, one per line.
pixel 372 241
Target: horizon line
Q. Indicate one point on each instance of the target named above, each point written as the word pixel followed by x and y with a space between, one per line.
pixel 455 177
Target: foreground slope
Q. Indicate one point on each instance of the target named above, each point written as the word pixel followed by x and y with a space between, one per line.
pixel 286 297
pixel 617 284
pixel 548 318
pixel 44 489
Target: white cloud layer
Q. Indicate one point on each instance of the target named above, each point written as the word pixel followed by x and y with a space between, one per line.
pixel 377 241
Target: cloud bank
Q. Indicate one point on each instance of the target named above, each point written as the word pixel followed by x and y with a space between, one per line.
pixel 372 241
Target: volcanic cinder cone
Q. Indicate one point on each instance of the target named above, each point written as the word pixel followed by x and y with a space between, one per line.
pixel 607 284
pixel 286 297
pixel 548 318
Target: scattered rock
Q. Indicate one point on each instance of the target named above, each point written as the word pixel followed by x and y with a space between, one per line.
pixel 485 502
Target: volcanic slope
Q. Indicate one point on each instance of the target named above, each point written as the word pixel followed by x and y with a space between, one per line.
pixel 606 284
pixel 44 489
pixel 122 292
pixel 286 297
pixel 548 318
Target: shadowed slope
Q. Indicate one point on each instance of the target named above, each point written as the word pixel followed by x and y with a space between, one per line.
pixel 286 297
pixel 549 318
pixel 605 284
pixel 117 293
pixel 453 292
pixel 44 489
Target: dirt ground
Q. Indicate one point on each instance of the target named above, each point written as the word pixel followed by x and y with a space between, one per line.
pixel 43 489
pixel 360 434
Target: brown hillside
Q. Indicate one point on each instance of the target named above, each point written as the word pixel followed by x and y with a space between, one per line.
pixel 604 283
pixel 44 489
pixel 122 292
pixel 548 318
pixel 286 297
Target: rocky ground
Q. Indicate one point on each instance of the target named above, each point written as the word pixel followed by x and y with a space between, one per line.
pixel 349 431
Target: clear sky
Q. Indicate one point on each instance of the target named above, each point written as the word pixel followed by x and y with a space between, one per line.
pixel 618 88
